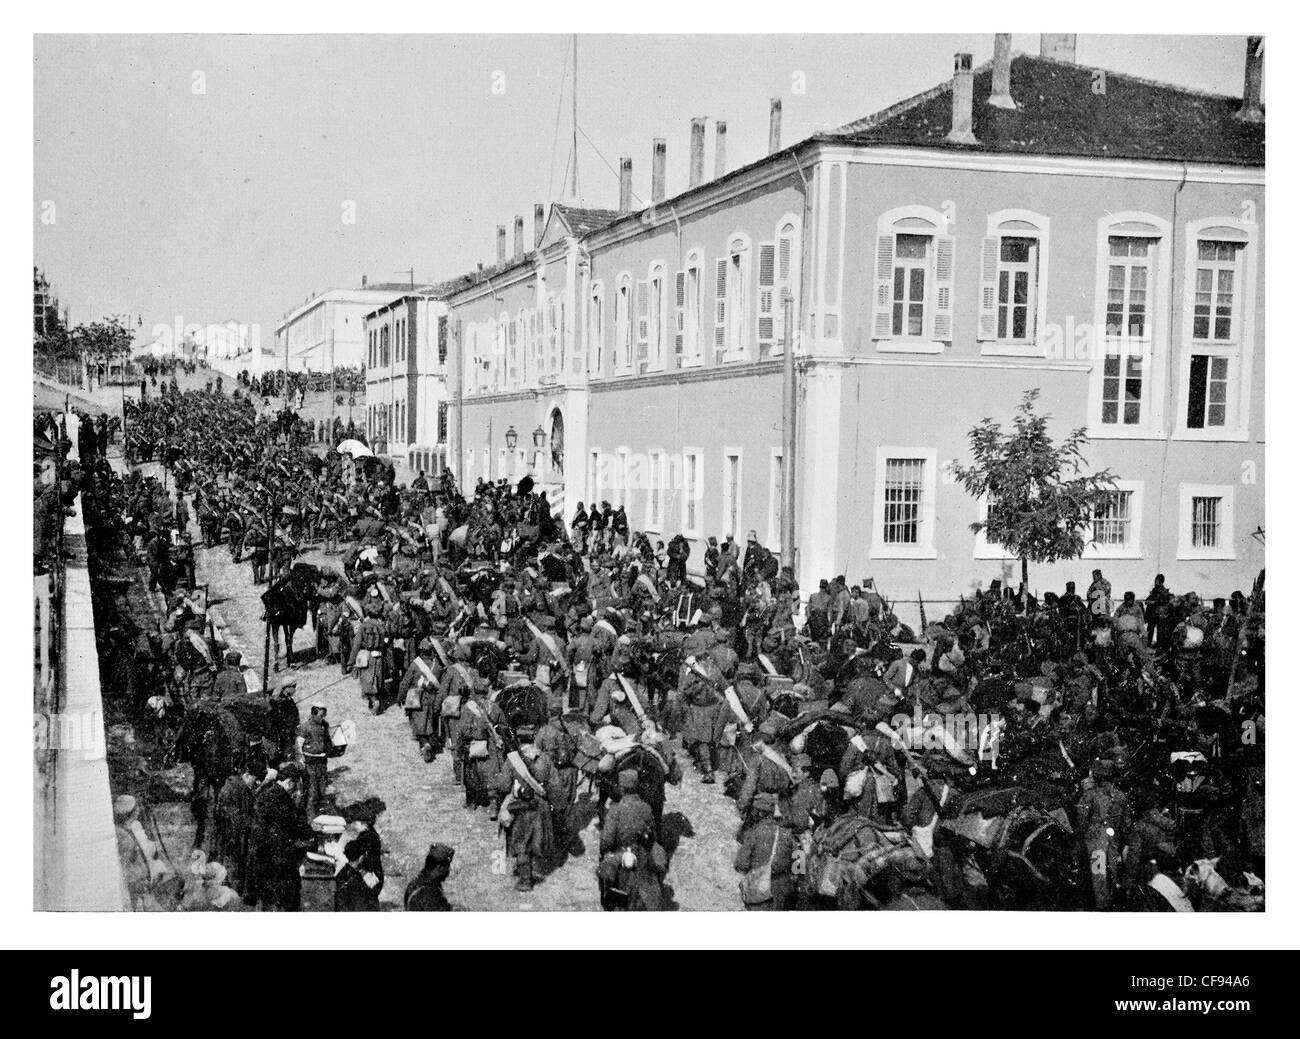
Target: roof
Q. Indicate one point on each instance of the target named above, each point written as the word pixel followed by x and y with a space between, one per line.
pixel 583 221
pixel 1059 114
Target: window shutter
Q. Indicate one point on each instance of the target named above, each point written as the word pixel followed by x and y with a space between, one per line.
pixel 882 323
pixel 944 248
pixel 720 312
pixel 642 323
pixel 766 297
pixel 782 283
pixel 679 336
pixel 988 322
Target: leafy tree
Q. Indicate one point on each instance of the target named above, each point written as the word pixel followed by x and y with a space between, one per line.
pixel 100 342
pixel 1040 501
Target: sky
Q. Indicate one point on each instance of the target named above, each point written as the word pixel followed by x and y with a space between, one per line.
pixel 202 178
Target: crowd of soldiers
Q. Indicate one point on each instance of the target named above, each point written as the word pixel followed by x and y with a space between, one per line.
pixel 871 764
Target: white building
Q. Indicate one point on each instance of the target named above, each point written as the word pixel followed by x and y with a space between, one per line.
pixel 326 332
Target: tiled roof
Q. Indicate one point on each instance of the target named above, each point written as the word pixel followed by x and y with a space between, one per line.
pixel 583 221
pixel 1061 113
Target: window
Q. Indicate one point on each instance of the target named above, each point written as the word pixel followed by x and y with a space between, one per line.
pixel 904 503
pixel 621 477
pixel 596 331
pixel 654 513
pixel 442 422
pixel 442 339
pixel 769 312
pixel 787 278
pixel 1218 340
pixel 731 331
pixel 731 489
pixel 692 462
pixel 776 497
pixel 593 477
pixel 658 309
pixel 1128 381
pixel 623 324
pixel 1205 516
pixel 692 316
pixel 912 295
pixel 1117 524
pixel 1217 278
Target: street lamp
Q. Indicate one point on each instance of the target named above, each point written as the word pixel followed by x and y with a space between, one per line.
pixel 539 437
pixel 512 438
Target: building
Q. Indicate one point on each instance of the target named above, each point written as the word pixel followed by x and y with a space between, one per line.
pixel 231 347
pixel 1030 224
pixel 45 306
pixel 406 344
pixel 326 331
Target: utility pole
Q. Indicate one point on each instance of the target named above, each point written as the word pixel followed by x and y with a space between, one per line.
pixel 575 117
pixel 788 430
pixel 460 402
pixel 270 563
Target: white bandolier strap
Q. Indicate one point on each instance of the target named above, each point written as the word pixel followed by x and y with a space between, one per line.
pixel 737 708
pixel 631 696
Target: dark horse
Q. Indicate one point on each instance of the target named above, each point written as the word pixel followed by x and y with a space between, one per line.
pixel 654 771
pixel 217 742
pixel 287 602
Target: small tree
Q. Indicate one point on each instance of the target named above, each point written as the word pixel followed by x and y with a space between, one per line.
pixel 101 342
pixel 1040 503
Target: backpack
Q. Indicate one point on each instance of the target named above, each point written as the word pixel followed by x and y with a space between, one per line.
pixel 756 885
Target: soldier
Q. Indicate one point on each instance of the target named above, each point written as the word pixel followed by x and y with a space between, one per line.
pixel 480 749
pixel 418 692
pixel 703 698
pixel 632 863
pixel 1104 820
pixel 229 683
pixel 522 788
pixel 766 858
pixel 313 748
pixel 234 821
pixel 424 893
pixel 561 746
pixel 278 837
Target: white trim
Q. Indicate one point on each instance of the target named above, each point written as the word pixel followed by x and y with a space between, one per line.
pixel 1157 337
pixel 1037 347
pixel 622 474
pixel 624 281
pixel 658 363
pixel 694 335
pixel 1130 551
pixel 694 532
pixel 655 481
pixel 776 457
pixel 728 503
pixel 595 336
pixel 887 224
pixel 924 546
pixel 592 475
pixel 1227 546
pixel 739 330
pixel 1125 169
pixel 1240 352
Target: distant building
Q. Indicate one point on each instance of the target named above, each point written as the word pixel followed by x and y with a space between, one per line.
pixel 406 344
pixel 326 332
pixel 45 306
pixel 1032 224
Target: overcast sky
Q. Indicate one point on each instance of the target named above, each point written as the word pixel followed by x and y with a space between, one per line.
pixel 228 203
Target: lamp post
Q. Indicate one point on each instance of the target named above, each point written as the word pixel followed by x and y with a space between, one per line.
pixel 512 438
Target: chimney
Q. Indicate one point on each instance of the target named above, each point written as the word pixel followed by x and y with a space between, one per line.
pixel 501 243
pixel 363 281
pixel 774 127
pixel 697 151
pixel 519 237
pixel 1000 97
pixel 539 224
pixel 1058 45
pixel 658 171
pixel 720 152
pixel 1252 110
pixel 963 91
pixel 625 184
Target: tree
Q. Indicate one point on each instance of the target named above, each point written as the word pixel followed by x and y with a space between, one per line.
pixel 100 342
pixel 1040 501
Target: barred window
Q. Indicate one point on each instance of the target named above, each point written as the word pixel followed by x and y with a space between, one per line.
pixel 1205 522
pixel 904 480
pixel 1113 523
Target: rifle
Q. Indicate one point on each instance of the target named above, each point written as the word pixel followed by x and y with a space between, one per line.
pixel 921 604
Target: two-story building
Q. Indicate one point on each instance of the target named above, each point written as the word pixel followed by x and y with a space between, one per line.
pixel 1031 224
pixel 325 332
pixel 406 345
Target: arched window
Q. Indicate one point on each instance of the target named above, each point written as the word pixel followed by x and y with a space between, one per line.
pixel 1013 284
pixel 913 281
pixel 596 330
pixel 657 316
pixel 731 332
pixel 623 324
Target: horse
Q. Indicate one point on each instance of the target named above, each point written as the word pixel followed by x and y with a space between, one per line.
pixel 654 771
pixel 523 705
pixel 216 743
pixel 286 606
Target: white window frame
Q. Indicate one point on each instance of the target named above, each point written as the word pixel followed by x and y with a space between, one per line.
pixel 693 495
pixel 924 547
pixel 1239 351
pixel 728 502
pixel 909 220
pixel 790 281
pixel 776 467
pixel 740 274
pixel 624 319
pixel 1226 548
pixel 1094 550
pixel 658 316
pixel 693 318
pixel 1017 223
pixel 1153 343
pixel 985 549
pixel 593 476
pixel 622 474
pixel 654 521
pixel 596 330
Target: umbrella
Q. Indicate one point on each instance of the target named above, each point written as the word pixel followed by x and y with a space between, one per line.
pixel 355 448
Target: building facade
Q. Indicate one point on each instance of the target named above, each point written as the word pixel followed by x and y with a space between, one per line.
pixel 406 346
pixel 1030 225
pixel 326 331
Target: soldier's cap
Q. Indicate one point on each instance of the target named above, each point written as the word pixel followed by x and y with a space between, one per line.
pixel 830 780
pixel 587 623
pixel 233 656
pixel 123 806
pixel 627 779
pixel 317 705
